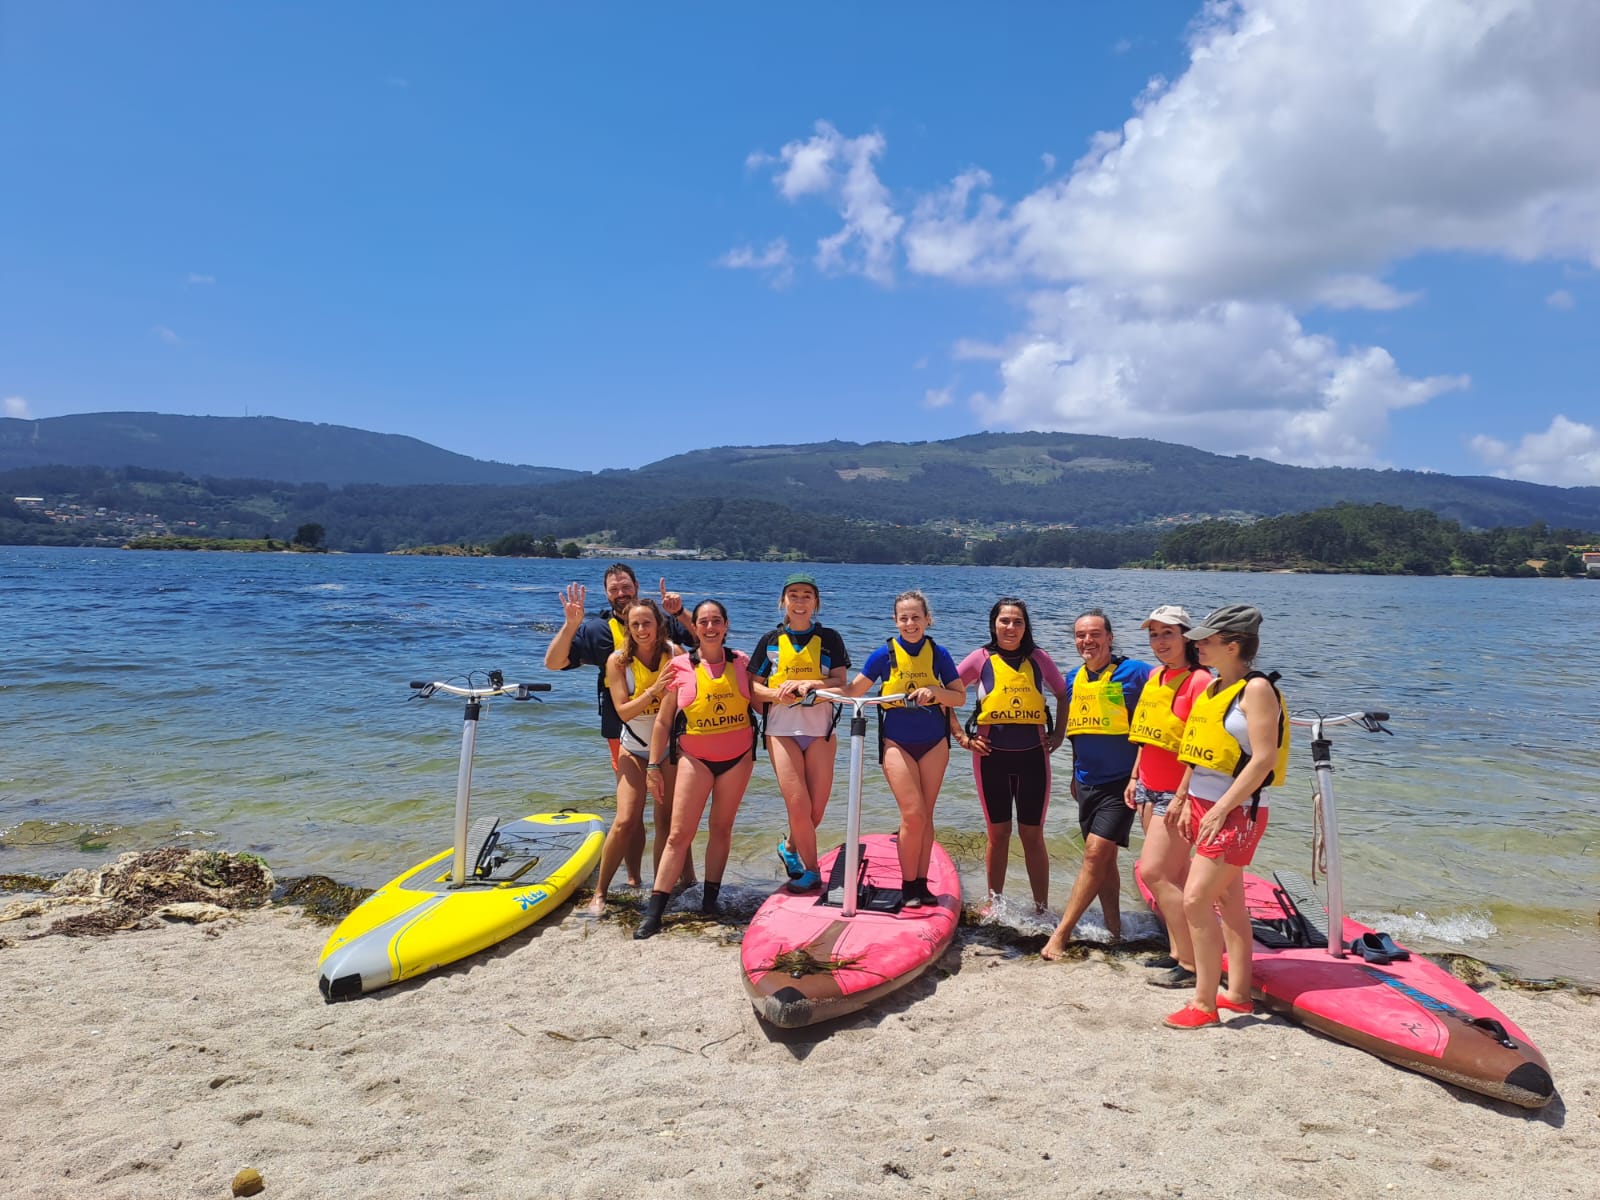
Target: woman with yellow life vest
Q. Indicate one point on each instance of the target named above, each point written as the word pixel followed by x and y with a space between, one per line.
pixel 636 673
pixel 707 705
pixel 1012 737
pixel 1157 729
pixel 1101 698
pixel 913 740
pixel 792 661
pixel 589 639
pixel 1236 745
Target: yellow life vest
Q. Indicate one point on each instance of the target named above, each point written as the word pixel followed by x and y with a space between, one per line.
pixel 910 671
pixel 1154 722
pixel 1097 705
pixel 797 662
pixel 718 704
pixel 643 678
pixel 1207 742
pixel 1015 698
pixel 619 633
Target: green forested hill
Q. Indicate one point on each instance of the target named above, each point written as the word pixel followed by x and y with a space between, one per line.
pixel 1093 482
pixel 247 447
pixel 994 497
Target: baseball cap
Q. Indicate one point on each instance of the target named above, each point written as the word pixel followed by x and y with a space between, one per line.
pixel 1168 614
pixel 1230 618
pixel 800 577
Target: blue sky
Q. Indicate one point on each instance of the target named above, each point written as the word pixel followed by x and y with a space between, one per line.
pixel 595 235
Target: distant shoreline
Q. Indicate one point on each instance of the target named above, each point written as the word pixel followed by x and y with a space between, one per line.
pixel 259 546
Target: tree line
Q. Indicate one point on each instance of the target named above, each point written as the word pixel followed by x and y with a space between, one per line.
pixel 1377 538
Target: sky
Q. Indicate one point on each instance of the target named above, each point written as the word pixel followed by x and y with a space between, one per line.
pixel 1362 233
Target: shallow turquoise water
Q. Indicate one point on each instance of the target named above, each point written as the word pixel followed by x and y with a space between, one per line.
pixel 260 702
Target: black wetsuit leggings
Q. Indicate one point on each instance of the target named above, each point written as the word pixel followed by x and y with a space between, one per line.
pixel 1014 779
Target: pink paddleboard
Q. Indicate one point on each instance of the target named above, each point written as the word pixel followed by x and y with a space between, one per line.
pixel 803 962
pixel 1410 1012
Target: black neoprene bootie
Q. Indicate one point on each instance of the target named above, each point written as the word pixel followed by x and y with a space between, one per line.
pixel 651 925
pixel 708 900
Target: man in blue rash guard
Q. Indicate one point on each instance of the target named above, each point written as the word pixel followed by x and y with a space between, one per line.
pixel 1101 697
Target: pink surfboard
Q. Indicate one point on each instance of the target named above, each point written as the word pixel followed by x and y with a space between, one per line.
pixel 803 962
pixel 1410 1012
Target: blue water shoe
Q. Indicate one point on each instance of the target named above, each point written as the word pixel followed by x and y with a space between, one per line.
pixel 791 861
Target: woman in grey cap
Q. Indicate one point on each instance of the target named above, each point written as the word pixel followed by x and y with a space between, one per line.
pixel 1157 728
pixel 789 663
pixel 1236 743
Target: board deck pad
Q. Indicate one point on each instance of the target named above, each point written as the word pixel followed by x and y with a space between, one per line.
pixel 1410 1012
pixel 418 922
pixel 802 962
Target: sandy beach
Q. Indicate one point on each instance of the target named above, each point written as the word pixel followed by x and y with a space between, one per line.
pixel 572 1061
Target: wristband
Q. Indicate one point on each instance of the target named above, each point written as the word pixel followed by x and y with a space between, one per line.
pixel 650 766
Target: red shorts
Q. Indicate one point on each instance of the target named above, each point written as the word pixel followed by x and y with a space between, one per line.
pixel 616 750
pixel 1236 844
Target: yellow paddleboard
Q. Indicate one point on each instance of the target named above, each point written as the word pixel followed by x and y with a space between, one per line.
pixel 417 922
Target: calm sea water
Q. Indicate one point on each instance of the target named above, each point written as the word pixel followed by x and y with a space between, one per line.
pixel 259 702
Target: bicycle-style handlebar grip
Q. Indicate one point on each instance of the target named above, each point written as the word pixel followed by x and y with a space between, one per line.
pixel 537 687
pixel 1378 716
pixel 417 687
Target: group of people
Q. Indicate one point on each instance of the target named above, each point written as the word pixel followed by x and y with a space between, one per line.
pixel 1186 746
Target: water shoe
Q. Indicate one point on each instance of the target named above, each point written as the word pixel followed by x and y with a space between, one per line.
pixel 1178 976
pixel 1191 1017
pixel 791 860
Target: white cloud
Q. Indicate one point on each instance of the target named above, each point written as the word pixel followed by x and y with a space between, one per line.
pixel 1302 154
pixel 166 335
pixel 16 407
pixel 1235 377
pixel 1309 146
pixel 1567 454
pixel 195 279
pixel 970 348
pixel 774 260
pixel 1049 161
pixel 1561 300
pixel 938 397
pixel 943 238
pixel 840 168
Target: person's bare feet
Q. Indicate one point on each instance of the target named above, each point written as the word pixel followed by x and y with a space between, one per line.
pixel 1054 949
pixel 597 906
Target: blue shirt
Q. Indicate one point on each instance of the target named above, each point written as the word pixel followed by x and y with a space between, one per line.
pixel 912 726
pixel 1099 759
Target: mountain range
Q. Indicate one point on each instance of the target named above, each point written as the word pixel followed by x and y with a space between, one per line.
pixel 248 448
pixel 373 490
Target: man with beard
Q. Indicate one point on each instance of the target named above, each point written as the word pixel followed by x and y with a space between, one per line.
pixel 587 640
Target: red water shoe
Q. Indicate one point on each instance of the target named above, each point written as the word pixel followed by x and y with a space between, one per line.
pixel 1191 1016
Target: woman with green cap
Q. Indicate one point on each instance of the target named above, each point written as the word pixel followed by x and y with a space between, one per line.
pixel 789 663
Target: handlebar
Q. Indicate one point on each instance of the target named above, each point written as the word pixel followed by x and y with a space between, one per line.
pixel 497 687
pixel 857 703
pixel 1372 722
